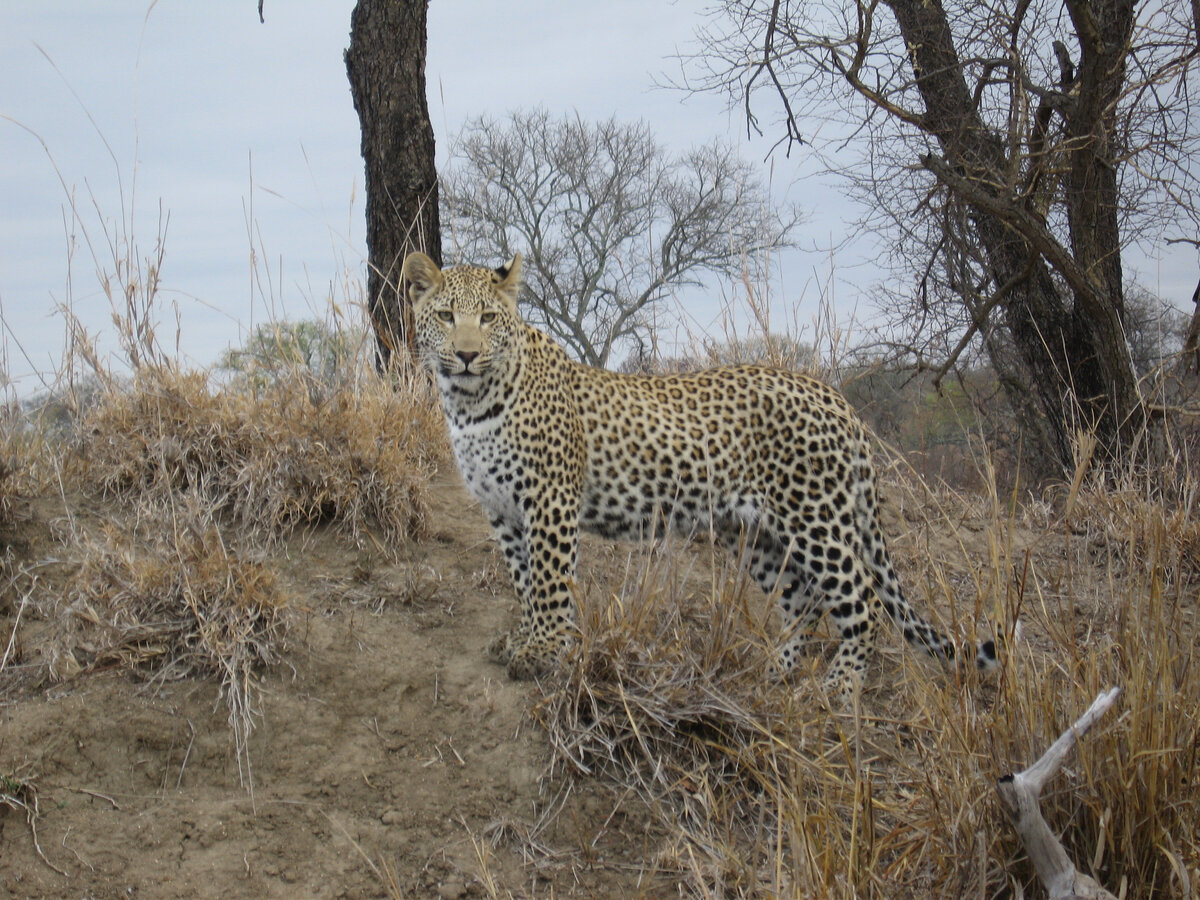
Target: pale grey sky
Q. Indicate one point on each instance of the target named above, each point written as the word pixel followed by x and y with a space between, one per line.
pixel 220 122
pixel 243 134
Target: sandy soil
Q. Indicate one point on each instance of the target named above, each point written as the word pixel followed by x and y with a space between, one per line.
pixel 389 748
pixel 391 758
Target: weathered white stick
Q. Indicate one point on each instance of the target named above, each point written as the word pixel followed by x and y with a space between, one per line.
pixel 1021 792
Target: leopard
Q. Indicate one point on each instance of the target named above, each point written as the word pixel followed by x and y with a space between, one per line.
pixel 774 464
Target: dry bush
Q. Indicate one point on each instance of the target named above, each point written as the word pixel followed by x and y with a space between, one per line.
pixel 269 461
pixel 665 685
pixel 8 471
pixel 193 472
pixel 669 699
pixel 7 495
pixel 23 452
pixel 174 602
pixel 1131 814
pixel 204 470
pixel 1146 528
pixel 27 460
pixel 760 790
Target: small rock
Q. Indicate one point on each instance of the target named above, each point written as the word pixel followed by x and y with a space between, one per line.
pixel 452 890
pixel 392 816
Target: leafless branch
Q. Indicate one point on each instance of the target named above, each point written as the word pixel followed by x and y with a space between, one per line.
pixel 1019 219
pixel 979 317
pixel 766 64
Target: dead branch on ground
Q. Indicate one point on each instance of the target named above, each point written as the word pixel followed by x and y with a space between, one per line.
pixel 1021 792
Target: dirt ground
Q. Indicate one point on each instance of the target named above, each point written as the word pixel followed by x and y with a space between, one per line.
pixel 389 749
pixel 391 757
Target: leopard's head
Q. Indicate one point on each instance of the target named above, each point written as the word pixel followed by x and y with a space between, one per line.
pixel 465 318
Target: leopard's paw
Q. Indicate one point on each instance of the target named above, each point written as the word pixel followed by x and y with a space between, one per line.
pixel 500 649
pixel 535 658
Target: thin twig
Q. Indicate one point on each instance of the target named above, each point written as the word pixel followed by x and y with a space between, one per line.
pixel 29 803
pixel 99 795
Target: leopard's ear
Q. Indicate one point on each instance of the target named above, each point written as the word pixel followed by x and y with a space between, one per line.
pixel 508 279
pixel 422 273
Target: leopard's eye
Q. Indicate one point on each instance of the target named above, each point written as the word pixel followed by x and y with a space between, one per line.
pixel 487 317
pixel 445 315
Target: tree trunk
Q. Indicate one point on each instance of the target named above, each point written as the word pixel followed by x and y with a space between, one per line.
pixel 1104 30
pixel 1068 330
pixel 386 66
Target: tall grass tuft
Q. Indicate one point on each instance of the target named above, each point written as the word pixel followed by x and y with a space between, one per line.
pixel 268 461
pixel 175 603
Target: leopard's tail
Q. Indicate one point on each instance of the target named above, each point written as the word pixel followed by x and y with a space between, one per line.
pixel 916 630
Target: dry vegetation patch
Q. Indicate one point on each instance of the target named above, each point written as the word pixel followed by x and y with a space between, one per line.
pixel 1145 530
pixel 178 604
pixel 289 455
pixel 174 606
pixel 756 789
pixel 197 480
pixel 7 489
pixel 671 695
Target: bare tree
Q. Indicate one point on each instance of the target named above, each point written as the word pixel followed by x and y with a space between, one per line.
pixel 1008 152
pixel 608 223
pixel 386 67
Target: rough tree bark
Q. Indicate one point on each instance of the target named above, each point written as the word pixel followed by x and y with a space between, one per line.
pixel 1068 332
pixel 386 67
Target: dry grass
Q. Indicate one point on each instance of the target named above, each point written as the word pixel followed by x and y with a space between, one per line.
pixel 1145 523
pixel 7 489
pixel 755 789
pixel 176 604
pixel 196 476
pixel 27 460
pixel 669 700
pixel 270 461
pixel 21 794
pixel 22 455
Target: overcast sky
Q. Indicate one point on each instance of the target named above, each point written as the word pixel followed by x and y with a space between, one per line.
pixel 240 141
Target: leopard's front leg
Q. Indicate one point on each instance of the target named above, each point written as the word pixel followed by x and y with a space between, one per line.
pixel 546 587
pixel 510 536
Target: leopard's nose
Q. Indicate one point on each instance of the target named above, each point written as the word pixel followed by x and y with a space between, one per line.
pixel 467 356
